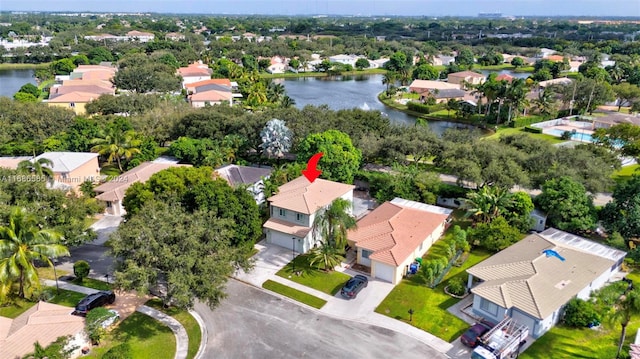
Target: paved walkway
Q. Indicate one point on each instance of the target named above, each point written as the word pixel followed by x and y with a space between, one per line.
pixel 182 339
pixel 271 258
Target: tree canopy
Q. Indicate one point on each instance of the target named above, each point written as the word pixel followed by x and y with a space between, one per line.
pixel 341 159
pixel 567 204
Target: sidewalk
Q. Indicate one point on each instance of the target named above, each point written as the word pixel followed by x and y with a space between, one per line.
pixel 271 258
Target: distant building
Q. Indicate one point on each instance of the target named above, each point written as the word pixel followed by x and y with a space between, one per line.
pixel 490 15
pixel 469 77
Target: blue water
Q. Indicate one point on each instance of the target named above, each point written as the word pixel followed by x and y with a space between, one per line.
pixel 578 136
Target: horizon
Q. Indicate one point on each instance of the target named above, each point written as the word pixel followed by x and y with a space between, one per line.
pixel 399 8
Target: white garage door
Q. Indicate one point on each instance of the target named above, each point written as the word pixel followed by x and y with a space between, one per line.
pixel 384 272
pixel 522 318
pixel 282 239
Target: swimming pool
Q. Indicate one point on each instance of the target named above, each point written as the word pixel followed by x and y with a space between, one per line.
pixel 578 136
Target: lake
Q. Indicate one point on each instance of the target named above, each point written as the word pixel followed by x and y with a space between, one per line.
pixel 12 80
pixel 346 92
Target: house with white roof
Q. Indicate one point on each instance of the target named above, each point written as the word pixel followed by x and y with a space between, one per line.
pixel 532 280
pixel 294 208
pixel 71 169
pixel 393 235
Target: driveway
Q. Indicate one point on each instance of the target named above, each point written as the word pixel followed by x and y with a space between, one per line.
pixel 94 252
pixel 251 323
pixel 268 261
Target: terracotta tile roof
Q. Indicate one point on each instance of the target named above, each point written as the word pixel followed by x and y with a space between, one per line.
pixel 95 90
pixel 196 69
pixel 98 75
pixel 86 68
pixel 394 230
pixel 11 162
pixel 287 227
pixel 138 33
pixel 115 189
pixel 211 95
pixel 466 74
pixel 224 82
pixel 525 277
pixel 302 196
pixel 556 58
pixel 85 82
pixel 44 323
pixel 505 77
pixel 431 85
pixel 75 96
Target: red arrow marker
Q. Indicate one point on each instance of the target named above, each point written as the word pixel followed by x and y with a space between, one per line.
pixel 312 172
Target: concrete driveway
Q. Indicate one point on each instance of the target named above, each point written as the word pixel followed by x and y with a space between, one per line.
pixel 251 323
pixel 269 260
pixel 94 252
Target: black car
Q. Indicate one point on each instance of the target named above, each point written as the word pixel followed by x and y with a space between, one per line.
pixel 354 286
pixel 471 336
pixel 93 301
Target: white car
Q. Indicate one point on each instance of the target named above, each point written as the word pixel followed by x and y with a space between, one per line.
pixel 113 317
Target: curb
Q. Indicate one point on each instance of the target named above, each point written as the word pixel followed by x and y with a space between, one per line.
pixel 203 332
pixel 182 347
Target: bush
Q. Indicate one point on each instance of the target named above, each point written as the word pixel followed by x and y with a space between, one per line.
pixel 579 313
pixel 456 286
pixel 525 121
pixel 119 351
pixel 93 323
pixel 532 129
pixel 418 107
pixel 81 269
pixel 566 135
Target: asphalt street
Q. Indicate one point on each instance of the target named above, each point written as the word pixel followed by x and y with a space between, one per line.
pixel 251 323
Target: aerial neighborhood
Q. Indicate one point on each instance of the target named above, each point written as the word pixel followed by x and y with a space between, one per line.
pixel 196 185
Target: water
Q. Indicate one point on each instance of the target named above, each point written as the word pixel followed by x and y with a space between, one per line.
pixel 12 80
pixel 518 75
pixel 347 92
pixel 577 136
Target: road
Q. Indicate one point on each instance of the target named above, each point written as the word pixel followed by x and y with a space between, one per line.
pixel 251 323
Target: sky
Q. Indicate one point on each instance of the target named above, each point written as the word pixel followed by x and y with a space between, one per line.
pixel 340 7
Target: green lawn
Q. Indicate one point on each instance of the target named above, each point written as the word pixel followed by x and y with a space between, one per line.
pixel 147 337
pixel 327 282
pixel 67 298
pixel 566 342
pixel 495 67
pixel 188 322
pixel 505 131
pixel 625 173
pixel 48 273
pixel 295 294
pixel 8 66
pixel 93 283
pixel 15 309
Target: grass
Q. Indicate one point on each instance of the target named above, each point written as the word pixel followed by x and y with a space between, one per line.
pixel 625 173
pixel 567 342
pixel 65 297
pixel 15 309
pixel 430 305
pixel 188 322
pixel 326 282
pixel 495 67
pixel 322 74
pixel 147 337
pixel 93 283
pixel 295 294
pixel 506 130
pixel 7 66
pixel 48 273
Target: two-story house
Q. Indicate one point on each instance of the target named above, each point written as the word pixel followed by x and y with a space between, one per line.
pixel 294 208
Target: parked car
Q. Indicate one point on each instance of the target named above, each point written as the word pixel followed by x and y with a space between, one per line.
pixel 354 286
pixel 94 300
pixel 471 337
pixel 111 319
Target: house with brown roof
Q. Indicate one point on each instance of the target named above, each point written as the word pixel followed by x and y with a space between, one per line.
pixel 532 280
pixel 75 100
pixel 294 208
pixel 42 323
pixel 210 98
pixel 421 86
pixel 468 77
pixel 194 72
pixel 113 191
pixel 393 235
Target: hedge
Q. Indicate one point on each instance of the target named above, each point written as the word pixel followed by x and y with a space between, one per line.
pixel 418 107
pixel 532 129
pixel 525 121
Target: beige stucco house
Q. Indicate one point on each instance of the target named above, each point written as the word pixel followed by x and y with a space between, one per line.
pixel 468 77
pixel 392 236
pixel 71 169
pixel 294 208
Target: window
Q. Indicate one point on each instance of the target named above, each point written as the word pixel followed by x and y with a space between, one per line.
pixel 72 104
pixel 421 245
pixel 283 212
pixel 300 217
pixel 488 306
pixel 366 254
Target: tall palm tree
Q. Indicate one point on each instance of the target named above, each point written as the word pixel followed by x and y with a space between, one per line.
pixel 545 103
pixel 22 242
pixel 116 144
pixel 516 94
pixel 627 306
pixel 40 167
pixel 331 225
pixel 389 79
pixel 487 203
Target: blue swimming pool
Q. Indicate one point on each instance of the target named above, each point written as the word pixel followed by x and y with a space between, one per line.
pixel 578 136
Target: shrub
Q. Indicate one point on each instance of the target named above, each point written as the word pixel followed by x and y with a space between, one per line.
pixel 81 269
pixel 531 129
pixel 93 323
pixel 456 286
pixel 579 313
pixel 418 107
pixel 432 269
pixel 525 121
pixel 119 351
pixel 566 135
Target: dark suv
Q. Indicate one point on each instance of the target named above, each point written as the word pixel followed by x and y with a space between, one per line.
pixel 471 337
pixel 354 286
pixel 93 301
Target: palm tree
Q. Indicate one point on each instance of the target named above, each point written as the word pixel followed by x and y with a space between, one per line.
pixel 275 92
pixel 516 94
pixel 22 242
pixel 116 145
pixel 487 203
pixel 287 102
pixel 331 225
pixel 545 103
pixel 389 79
pixel 325 257
pixel 39 167
pixel 627 306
